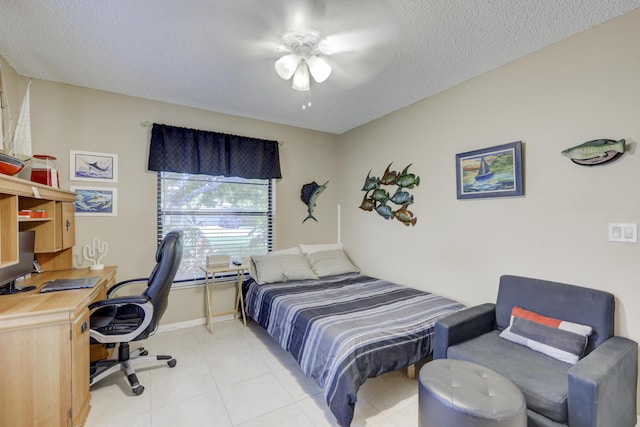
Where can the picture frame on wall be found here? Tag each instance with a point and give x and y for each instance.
(96, 201)
(92, 166)
(490, 172)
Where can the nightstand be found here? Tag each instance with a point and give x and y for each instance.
(209, 281)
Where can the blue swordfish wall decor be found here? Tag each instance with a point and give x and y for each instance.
(309, 194)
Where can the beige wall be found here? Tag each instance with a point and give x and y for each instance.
(584, 88)
(73, 118)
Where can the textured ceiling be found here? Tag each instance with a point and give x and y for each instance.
(218, 55)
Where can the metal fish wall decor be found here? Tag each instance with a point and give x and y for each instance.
(376, 198)
(309, 194)
(596, 152)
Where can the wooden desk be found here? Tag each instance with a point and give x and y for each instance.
(44, 351)
(209, 280)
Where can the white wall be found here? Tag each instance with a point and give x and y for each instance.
(586, 87)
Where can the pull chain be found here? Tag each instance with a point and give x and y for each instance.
(304, 107)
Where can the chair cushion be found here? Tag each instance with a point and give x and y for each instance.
(543, 380)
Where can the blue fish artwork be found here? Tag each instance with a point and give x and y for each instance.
(384, 211)
(377, 196)
(401, 197)
(309, 194)
(406, 179)
(371, 183)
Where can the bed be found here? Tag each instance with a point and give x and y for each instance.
(345, 328)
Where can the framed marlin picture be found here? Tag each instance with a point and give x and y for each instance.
(490, 172)
(96, 201)
(90, 166)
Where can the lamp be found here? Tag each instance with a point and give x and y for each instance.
(301, 77)
(302, 59)
(286, 66)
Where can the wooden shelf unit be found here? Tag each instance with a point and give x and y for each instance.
(44, 337)
(55, 234)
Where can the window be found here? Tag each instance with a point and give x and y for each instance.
(218, 215)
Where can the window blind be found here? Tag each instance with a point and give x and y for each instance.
(218, 215)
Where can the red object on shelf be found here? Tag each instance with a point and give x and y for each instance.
(10, 165)
(44, 170)
(38, 214)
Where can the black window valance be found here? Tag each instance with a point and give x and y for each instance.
(182, 150)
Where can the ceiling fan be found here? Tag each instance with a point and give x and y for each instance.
(303, 57)
(339, 41)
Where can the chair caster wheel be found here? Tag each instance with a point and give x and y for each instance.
(138, 390)
(171, 363)
(144, 353)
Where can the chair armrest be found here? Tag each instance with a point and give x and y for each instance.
(141, 301)
(123, 284)
(118, 302)
(462, 326)
(603, 385)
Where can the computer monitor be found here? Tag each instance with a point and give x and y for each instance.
(8, 275)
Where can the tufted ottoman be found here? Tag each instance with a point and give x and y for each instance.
(457, 393)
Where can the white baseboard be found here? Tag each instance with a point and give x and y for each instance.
(191, 323)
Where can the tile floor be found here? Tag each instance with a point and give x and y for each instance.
(238, 376)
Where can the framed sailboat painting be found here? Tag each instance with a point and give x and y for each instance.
(490, 172)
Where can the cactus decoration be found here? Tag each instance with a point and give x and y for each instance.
(377, 198)
(95, 253)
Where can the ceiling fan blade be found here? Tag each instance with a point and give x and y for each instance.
(304, 15)
(358, 40)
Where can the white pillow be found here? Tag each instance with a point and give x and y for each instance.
(309, 249)
(331, 263)
(297, 267)
(280, 268)
(252, 266)
(267, 269)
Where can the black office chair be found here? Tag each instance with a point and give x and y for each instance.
(120, 320)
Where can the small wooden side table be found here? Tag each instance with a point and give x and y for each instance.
(209, 280)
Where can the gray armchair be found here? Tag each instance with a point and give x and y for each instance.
(599, 390)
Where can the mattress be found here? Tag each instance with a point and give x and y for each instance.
(347, 328)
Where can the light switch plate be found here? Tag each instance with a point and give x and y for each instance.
(627, 233)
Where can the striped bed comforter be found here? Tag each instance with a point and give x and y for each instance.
(347, 328)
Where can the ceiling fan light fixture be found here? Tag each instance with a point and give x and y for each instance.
(287, 65)
(301, 77)
(319, 68)
(302, 59)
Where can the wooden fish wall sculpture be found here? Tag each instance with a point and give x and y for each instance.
(596, 152)
(377, 198)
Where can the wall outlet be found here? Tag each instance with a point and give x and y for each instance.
(627, 233)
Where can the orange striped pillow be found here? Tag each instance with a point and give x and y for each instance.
(557, 338)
